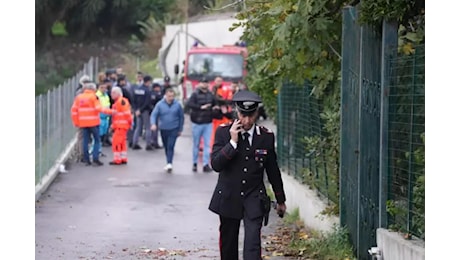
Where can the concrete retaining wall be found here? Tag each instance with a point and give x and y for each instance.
(309, 204)
(394, 247)
(46, 181)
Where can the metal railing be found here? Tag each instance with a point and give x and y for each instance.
(302, 142)
(53, 125)
(406, 143)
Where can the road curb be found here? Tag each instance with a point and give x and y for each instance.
(46, 181)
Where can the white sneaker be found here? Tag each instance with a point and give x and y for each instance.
(168, 167)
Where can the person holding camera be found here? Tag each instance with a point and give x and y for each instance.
(241, 153)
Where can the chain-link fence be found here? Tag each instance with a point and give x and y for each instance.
(406, 143)
(53, 125)
(302, 142)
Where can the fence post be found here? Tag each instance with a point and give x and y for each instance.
(97, 65)
(40, 137)
(389, 43)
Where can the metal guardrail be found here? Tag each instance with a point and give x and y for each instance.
(53, 125)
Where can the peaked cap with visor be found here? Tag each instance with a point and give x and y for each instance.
(246, 102)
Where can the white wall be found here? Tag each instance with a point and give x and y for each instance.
(212, 33)
(310, 206)
(394, 247)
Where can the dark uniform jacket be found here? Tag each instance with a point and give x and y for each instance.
(196, 100)
(240, 184)
(141, 98)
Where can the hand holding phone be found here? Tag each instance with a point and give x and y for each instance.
(235, 129)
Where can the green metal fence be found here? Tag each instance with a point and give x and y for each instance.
(301, 140)
(406, 143)
(382, 131)
(53, 125)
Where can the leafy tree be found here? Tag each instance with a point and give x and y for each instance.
(297, 41)
(96, 17)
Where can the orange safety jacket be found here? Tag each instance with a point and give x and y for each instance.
(86, 108)
(121, 117)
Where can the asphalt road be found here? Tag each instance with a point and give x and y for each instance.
(135, 211)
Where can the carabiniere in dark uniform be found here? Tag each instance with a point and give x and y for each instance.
(240, 191)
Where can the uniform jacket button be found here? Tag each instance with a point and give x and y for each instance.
(244, 181)
(220, 192)
(245, 169)
(247, 158)
(242, 193)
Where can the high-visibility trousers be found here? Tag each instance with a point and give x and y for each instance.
(119, 147)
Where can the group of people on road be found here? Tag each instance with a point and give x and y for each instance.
(242, 151)
(114, 112)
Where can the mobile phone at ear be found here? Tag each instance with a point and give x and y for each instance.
(235, 115)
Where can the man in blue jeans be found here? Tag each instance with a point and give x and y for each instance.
(170, 117)
(201, 104)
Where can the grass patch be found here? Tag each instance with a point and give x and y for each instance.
(331, 246)
(270, 194)
(131, 64)
(292, 217)
(293, 239)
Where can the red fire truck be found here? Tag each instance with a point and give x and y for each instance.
(228, 62)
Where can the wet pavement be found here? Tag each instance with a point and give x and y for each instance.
(134, 211)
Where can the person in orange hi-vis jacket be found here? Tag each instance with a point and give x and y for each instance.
(122, 120)
(85, 115)
(223, 96)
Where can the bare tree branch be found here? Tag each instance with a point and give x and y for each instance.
(333, 50)
(223, 7)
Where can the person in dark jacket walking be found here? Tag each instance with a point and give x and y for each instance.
(201, 103)
(142, 111)
(156, 96)
(241, 153)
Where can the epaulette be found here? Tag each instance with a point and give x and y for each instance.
(225, 124)
(265, 129)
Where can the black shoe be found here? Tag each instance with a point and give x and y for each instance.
(194, 168)
(115, 163)
(149, 148)
(137, 147)
(157, 146)
(98, 163)
(206, 168)
(87, 163)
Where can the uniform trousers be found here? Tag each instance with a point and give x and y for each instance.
(119, 149)
(228, 241)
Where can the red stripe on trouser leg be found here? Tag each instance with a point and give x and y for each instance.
(220, 242)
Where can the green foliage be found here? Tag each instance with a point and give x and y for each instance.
(410, 14)
(418, 200)
(330, 246)
(58, 29)
(271, 194)
(292, 41)
(98, 16)
(292, 217)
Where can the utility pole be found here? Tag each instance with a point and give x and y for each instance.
(186, 26)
